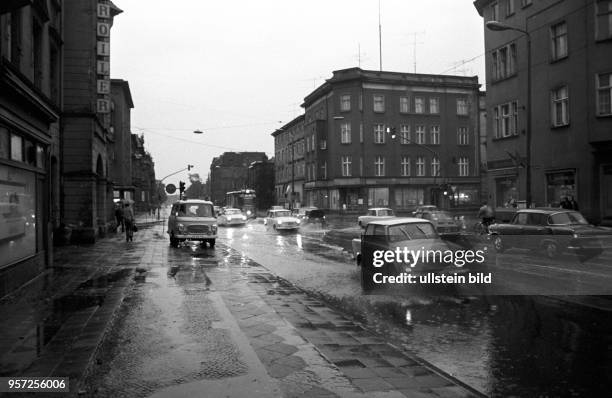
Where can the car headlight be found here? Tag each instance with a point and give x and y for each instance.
(244, 218)
(280, 222)
(248, 212)
(180, 227)
(298, 221)
(575, 236)
(214, 228)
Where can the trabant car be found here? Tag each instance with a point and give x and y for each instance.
(281, 220)
(192, 220)
(375, 213)
(232, 217)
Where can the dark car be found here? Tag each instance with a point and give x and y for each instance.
(314, 216)
(549, 229)
(445, 223)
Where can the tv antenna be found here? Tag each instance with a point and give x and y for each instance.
(414, 47)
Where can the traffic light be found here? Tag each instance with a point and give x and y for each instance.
(189, 167)
(181, 188)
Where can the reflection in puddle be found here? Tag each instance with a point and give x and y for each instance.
(298, 239)
(408, 318)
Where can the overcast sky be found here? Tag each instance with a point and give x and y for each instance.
(237, 70)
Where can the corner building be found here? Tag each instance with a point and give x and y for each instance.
(392, 139)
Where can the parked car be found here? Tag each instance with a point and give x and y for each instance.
(421, 209)
(192, 220)
(281, 220)
(232, 217)
(549, 229)
(411, 233)
(376, 213)
(445, 223)
(301, 212)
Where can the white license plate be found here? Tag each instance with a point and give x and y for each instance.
(198, 236)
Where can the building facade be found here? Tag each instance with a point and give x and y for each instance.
(261, 179)
(289, 164)
(229, 172)
(392, 139)
(87, 191)
(146, 196)
(121, 141)
(30, 103)
(570, 90)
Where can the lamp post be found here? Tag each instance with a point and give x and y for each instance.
(499, 26)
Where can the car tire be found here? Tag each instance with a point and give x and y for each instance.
(551, 249)
(498, 244)
(274, 227)
(173, 241)
(211, 243)
(367, 284)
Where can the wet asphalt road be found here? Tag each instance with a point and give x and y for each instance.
(502, 346)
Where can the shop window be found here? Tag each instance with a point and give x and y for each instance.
(16, 148)
(560, 185)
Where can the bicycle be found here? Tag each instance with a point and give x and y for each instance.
(481, 228)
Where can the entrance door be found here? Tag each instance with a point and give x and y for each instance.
(606, 192)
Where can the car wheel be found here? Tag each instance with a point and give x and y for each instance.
(173, 241)
(274, 227)
(211, 243)
(367, 284)
(551, 249)
(498, 243)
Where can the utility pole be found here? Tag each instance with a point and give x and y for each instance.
(414, 47)
(379, 39)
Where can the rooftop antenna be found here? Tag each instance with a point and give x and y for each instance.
(379, 39)
(359, 55)
(414, 47)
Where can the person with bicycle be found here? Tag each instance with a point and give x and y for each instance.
(128, 219)
(485, 213)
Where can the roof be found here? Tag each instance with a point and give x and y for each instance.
(398, 220)
(547, 210)
(379, 208)
(126, 90)
(187, 201)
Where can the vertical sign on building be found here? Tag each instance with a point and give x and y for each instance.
(103, 25)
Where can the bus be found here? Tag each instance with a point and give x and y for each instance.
(243, 200)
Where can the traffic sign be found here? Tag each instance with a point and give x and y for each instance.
(171, 188)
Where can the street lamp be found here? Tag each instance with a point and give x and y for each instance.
(198, 132)
(499, 26)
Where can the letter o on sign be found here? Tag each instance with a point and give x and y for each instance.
(171, 188)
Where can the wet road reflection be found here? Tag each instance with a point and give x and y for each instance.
(501, 345)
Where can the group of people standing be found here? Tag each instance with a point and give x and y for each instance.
(124, 214)
(568, 202)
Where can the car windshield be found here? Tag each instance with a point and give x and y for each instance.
(195, 210)
(567, 218)
(439, 215)
(385, 212)
(283, 213)
(412, 231)
(232, 211)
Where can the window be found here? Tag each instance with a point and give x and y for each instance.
(464, 167)
(494, 11)
(435, 135)
(379, 166)
(462, 136)
(462, 106)
(37, 49)
(603, 24)
(15, 37)
(505, 122)
(420, 134)
(379, 103)
(525, 3)
(323, 144)
(504, 62)
(16, 148)
(560, 107)
(435, 166)
(404, 105)
(420, 166)
(558, 37)
(345, 133)
(345, 103)
(604, 94)
(419, 105)
(324, 171)
(509, 7)
(434, 105)
(405, 134)
(405, 166)
(379, 133)
(346, 166)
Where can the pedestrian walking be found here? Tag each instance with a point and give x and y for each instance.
(565, 203)
(128, 218)
(573, 203)
(119, 216)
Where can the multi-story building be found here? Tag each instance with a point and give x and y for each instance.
(392, 139)
(261, 179)
(30, 103)
(120, 138)
(229, 172)
(289, 164)
(87, 192)
(570, 90)
(146, 196)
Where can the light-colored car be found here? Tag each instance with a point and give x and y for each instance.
(418, 212)
(375, 213)
(194, 220)
(232, 217)
(281, 220)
